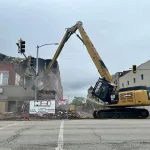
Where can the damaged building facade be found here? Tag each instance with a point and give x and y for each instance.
(17, 83)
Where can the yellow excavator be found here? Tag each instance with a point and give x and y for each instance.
(117, 104)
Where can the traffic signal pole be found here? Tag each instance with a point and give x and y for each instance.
(36, 74)
(37, 67)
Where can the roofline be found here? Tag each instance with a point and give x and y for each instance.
(137, 67)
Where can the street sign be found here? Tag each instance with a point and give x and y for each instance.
(42, 106)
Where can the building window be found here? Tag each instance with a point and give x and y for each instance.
(134, 80)
(142, 77)
(128, 82)
(122, 84)
(4, 78)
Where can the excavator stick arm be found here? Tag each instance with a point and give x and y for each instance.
(102, 69)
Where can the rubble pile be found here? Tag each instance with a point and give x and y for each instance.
(62, 115)
(59, 114)
(85, 115)
(72, 115)
(11, 116)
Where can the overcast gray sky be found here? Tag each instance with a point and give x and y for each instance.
(119, 29)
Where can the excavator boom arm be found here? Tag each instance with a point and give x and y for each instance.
(102, 69)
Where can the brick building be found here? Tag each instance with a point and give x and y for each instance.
(17, 86)
(8, 77)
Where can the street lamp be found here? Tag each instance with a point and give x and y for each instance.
(37, 54)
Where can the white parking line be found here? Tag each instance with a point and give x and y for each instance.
(60, 137)
(11, 125)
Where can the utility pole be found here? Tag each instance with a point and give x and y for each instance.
(37, 67)
(36, 74)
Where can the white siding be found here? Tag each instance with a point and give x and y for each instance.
(129, 77)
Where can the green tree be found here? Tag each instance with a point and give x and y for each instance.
(77, 101)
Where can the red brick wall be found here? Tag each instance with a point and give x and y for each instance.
(6, 66)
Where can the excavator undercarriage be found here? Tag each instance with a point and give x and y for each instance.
(122, 113)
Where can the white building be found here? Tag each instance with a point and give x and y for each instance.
(141, 77)
(116, 77)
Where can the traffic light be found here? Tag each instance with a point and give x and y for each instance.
(21, 46)
(134, 69)
(31, 61)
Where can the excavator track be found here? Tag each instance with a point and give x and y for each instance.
(121, 113)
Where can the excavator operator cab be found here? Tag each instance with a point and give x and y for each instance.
(103, 90)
